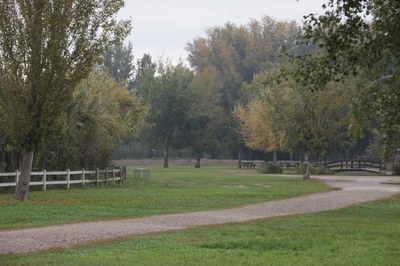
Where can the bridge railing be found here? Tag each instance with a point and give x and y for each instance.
(355, 165)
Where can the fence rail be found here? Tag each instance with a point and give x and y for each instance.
(67, 178)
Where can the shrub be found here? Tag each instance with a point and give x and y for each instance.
(321, 170)
(270, 168)
(315, 170)
(396, 169)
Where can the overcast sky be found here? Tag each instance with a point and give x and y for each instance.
(164, 27)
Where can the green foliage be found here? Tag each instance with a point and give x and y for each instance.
(144, 80)
(360, 38)
(396, 169)
(118, 62)
(205, 115)
(289, 117)
(101, 115)
(45, 51)
(315, 170)
(169, 95)
(270, 168)
(237, 53)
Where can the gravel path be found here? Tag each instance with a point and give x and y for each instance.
(353, 191)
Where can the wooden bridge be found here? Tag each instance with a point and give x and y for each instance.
(355, 165)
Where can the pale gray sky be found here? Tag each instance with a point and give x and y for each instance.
(164, 27)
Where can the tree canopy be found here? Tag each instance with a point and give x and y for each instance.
(360, 38)
(46, 49)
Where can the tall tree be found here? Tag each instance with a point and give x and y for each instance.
(237, 53)
(205, 115)
(262, 120)
(169, 102)
(144, 77)
(360, 37)
(292, 118)
(101, 114)
(46, 48)
(118, 61)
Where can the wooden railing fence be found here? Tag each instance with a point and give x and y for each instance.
(67, 178)
(355, 165)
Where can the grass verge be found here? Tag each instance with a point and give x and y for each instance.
(367, 234)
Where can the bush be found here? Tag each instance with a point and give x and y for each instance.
(321, 170)
(315, 170)
(270, 168)
(396, 169)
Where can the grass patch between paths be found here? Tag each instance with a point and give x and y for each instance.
(174, 190)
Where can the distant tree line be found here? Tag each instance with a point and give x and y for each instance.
(244, 91)
(266, 87)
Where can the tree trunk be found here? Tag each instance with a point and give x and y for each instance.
(198, 158)
(306, 174)
(21, 192)
(166, 152)
(2, 161)
(275, 156)
(240, 159)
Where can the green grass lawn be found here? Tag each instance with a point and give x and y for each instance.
(367, 234)
(174, 190)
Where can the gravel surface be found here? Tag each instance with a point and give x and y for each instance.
(353, 190)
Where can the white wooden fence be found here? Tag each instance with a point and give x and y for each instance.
(66, 178)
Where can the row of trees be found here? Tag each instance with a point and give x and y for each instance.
(242, 91)
(58, 101)
(193, 107)
(321, 98)
(347, 87)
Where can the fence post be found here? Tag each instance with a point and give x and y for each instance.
(97, 176)
(83, 177)
(68, 179)
(121, 175)
(44, 179)
(113, 175)
(16, 179)
(106, 176)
